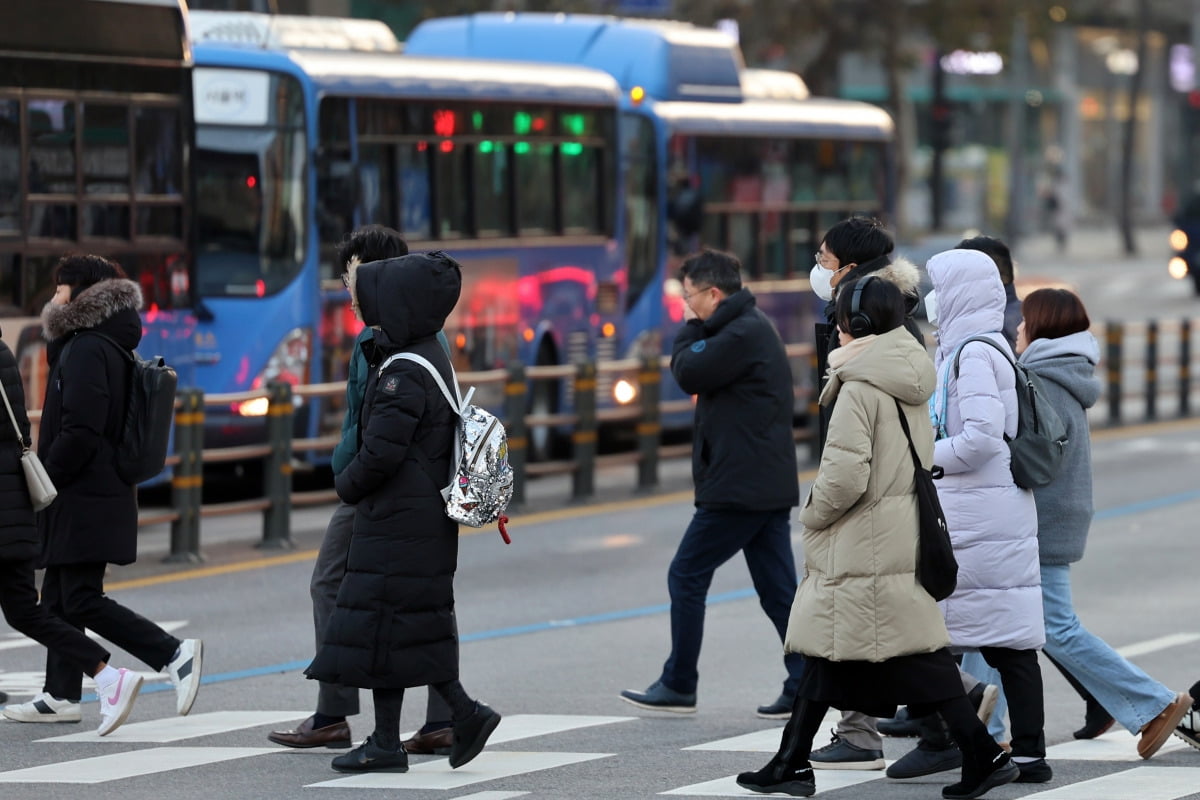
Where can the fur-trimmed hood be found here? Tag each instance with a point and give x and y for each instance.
(903, 273)
(92, 307)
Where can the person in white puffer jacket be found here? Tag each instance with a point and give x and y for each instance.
(997, 608)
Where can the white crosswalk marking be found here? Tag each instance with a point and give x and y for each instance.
(438, 775)
(492, 796)
(827, 780)
(1144, 783)
(526, 726)
(764, 741)
(1112, 746)
(173, 729)
(128, 765)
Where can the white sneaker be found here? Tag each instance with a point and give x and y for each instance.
(44, 708)
(117, 701)
(184, 670)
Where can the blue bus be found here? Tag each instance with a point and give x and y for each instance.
(96, 133)
(310, 127)
(712, 154)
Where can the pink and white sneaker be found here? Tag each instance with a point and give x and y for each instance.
(117, 701)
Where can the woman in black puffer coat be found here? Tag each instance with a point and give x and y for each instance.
(393, 626)
(19, 547)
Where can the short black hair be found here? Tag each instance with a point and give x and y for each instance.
(371, 243)
(83, 270)
(857, 240)
(713, 268)
(881, 300)
(996, 249)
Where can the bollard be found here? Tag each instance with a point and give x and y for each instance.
(516, 398)
(1185, 367)
(1152, 369)
(1113, 333)
(277, 469)
(187, 483)
(584, 438)
(650, 425)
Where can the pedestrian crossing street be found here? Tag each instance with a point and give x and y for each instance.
(1141, 781)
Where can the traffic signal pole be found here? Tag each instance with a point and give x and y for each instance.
(939, 111)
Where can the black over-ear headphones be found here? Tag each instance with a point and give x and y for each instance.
(861, 323)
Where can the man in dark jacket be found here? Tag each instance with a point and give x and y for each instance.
(393, 626)
(743, 466)
(92, 325)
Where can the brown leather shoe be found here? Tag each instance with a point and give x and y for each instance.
(433, 743)
(303, 735)
(1158, 729)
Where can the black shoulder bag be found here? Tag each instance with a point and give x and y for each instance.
(937, 569)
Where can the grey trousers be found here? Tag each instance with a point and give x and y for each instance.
(335, 700)
(860, 730)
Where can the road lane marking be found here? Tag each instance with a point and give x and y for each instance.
(174, 729)
(1116, 745)
(527, 726)
(119, 766)
(763, 741)
(488, 766)
(1154, 645)
(1143, 783)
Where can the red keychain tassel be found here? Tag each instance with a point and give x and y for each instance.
(503, 531)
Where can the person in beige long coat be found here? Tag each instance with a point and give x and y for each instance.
(871, 635)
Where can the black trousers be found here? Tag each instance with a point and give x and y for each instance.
(19, 601)
(1021, 677)
(75, 592)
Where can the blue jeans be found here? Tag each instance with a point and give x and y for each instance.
(712, 538)
(1130, 695)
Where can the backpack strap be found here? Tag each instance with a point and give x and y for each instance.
(958, 353)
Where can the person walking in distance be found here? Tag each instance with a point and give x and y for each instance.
(328, 725)
(393, 626)
(871, 634)
(743, 464)
(93, 522)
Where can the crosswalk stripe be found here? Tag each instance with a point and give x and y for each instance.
(763, 741)
(118, 766)
(827, 780)
(487, 766)
(527, 726)
(492, 796)
(1112, 746)
(173, 729)
(1143, 783)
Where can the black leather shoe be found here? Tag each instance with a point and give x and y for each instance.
(900, 725)
(925, 760)
(781, 708)
(369, 758)
(775, 777)
(430, 743)
(1095, 722)
(1034, 771)
(304, 735)
(472, 734)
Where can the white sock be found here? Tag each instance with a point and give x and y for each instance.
(1024, 759)
(106, 677)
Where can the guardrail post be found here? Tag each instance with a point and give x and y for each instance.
(1185, 367)
(516, 399)
(650, 426)
(277, 469)
(584, 438)
(187, 482)
(1152, 369)
(1113, 334)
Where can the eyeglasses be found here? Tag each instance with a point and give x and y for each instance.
(820, 257)
(687, 298)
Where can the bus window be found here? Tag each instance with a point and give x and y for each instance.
(641, 204)
(106, 170)
(335, 179)
(159, 141)
(414, 190)
(581, 188)
(51, 125)
(535, 187)
(10, 176)
(492, 184)
(452, 190)
(377, 184)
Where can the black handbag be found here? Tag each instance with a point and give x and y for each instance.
(937, 568)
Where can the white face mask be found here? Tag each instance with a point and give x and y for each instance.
(821, 280)
(931, 308)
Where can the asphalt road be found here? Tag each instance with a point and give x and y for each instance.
(553, 627)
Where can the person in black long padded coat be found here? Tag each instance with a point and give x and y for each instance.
(393, 626)
(19, 547)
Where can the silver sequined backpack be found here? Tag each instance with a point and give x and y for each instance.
(481, 480)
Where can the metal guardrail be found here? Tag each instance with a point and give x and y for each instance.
(1161, 372)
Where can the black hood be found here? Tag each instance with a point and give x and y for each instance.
(407, 299)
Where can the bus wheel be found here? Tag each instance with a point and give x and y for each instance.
(545, 442)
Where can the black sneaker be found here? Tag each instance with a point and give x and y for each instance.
(840, 754)
(925, 759)
(775, 777)
(472, 734)
(367, 757)
(1095, 722)
(660, 698)
(900, 725)
(1001, 771)
(1034, 771)
(780, 709)
(1189, 727)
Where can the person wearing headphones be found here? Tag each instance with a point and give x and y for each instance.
(871, 636)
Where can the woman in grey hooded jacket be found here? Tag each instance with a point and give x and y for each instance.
(1053, 341)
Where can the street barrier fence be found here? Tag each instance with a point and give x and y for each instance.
(1129, 383)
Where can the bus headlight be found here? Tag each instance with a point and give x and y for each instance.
(1178, 240)
(289, 363)
(1177, 267)
(624, 392)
